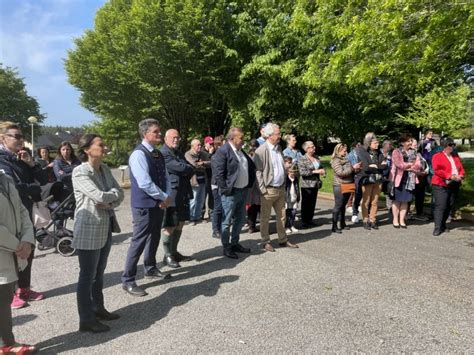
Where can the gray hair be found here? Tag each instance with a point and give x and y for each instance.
(386, 142)
(269, 129)
(232, 132)
(369, 137)
(144, 125)
(306, 144)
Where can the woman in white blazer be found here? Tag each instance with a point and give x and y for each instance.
(97, 193)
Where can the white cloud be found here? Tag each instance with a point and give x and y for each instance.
(31, 39)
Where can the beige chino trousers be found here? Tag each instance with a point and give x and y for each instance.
(274, 197)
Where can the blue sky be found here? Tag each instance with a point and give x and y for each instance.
(34, 38)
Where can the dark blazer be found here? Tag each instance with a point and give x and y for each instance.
(180, 173)
(225, 169)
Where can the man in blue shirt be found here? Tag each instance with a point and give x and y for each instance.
(150, 190)
(291, 150)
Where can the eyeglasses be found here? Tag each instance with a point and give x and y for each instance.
(16, 135)
(451, 144)
(175, 138)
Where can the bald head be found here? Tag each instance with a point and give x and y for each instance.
(172, 138)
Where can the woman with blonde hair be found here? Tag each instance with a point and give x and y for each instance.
(343, 185)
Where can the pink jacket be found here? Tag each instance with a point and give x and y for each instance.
(399, 167)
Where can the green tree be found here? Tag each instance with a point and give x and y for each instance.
(341, 68)
(15, 103)
(447, 110)
(170, 59)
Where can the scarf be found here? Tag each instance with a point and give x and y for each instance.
(409, 157)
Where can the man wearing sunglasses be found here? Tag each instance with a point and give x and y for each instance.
(27, 176)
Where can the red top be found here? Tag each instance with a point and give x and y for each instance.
(443, 170)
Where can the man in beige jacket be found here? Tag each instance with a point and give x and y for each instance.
(271, 182)
(16, 242)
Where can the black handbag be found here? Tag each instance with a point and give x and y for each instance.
(319, 184)
(368, 179)
(453, 184)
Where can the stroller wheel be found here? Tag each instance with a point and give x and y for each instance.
(64, 246)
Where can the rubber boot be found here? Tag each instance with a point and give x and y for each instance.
(175, 240)
(167, 243)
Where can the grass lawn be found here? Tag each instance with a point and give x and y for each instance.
(466, 195)
(465, 199)
(327, 181)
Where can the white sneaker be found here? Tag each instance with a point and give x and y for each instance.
(293, 229)
(289, 231)
(355, 219)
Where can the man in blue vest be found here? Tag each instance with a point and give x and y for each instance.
(149, 198)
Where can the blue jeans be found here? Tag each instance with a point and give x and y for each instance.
(92, 265)
(233, 208)
(195, 205)
(216, 212)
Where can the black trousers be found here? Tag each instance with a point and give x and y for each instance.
(419, 193)
(309, 196)
(357, 198)
(147, 223)
(252, 213)
(6, 325)
(340, 200)
(442, 198)
(24, 276)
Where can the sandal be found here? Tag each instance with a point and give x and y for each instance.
(21, 349)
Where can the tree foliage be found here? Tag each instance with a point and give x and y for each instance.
(447, 110)
(324, 67)
(171, 59)
(15, 103)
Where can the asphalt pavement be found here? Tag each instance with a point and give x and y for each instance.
(381, 291)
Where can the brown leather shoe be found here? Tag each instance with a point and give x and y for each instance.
(268, 247)
(289, 245)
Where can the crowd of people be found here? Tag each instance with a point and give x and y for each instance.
(226, 180)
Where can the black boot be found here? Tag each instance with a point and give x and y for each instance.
(343, 220)
(335, 228)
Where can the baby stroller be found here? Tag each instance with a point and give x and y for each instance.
(51, 216)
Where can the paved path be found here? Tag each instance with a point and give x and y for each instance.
(377, 291)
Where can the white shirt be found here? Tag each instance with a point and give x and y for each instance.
(454, 170)
(278, 165)
(293, 196)
(243, 177)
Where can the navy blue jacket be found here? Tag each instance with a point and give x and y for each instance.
(225, 169)
(180, 173)
(27, 179)
(156, 168)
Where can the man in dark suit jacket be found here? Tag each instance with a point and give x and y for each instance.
(180, 172)
(234, 173)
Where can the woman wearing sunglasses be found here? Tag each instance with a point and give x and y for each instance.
(446, 181)
(20, 166)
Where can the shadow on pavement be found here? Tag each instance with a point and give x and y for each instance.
(137, 317)
(23, 319)
(194, 270)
